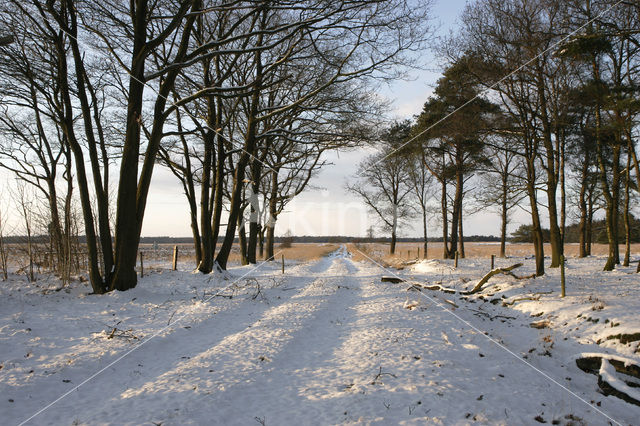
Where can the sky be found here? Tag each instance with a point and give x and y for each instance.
(326, 208)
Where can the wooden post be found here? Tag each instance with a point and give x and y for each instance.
(141, 265)
(562, 287)
(175, 258)
(455, 264)
(418, 253)
(493, 261)
(283, 263)
(408, 254)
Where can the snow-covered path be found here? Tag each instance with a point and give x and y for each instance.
(327, 344)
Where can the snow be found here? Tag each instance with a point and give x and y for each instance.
(609, 375)
(325, 343)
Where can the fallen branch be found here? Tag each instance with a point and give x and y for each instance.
(419, 287)
(380, 374)
(414, 287)
(127, 334)
(451, 303)
(520, 299)
(440, 288)
(227, 296)
(490, 274)
(491, 317)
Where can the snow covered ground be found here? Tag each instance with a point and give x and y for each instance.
(325, 343)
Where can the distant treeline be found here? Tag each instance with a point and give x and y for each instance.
(521, 235)
(572, 233)
(44, 239)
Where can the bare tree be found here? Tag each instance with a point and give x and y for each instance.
(500, 185)
(4, 249)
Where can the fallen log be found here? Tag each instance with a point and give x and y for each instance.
(394, 280)
(451, 302)
(440, 288)
(611, 371)
(520, 299)
(490, 274)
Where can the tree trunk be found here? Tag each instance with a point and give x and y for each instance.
(538, 239)
(461, 236)
(271, 221)
(218, 201)
(206, 264)
(126, 231)
(424, 232)
(555, 238)
(456, 214)
(392, 248)
(582, 205)
(626, 215)
(242, 241)
(238, 179)
(270, 242)
(589, 231)
(132, 194)
(445, 221)
(254, 218)
(503, 219)
(261, 242)
(67, 123)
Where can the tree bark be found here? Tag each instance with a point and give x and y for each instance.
(271, 222)
(206, 264)
(461, 236)
(504, 216)
(626, 217)
(424, 233)
(256, 170)
(392, 248)
(582, 205)
(456, 214)
(242, 240)
(445, 221)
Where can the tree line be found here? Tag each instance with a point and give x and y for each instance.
(537, 108)
(239, 99)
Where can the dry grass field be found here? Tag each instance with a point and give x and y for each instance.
(186, 253)
(404, 251)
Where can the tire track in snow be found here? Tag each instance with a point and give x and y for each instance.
(219, 360)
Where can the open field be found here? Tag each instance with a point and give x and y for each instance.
(300, 252)
(404, 251)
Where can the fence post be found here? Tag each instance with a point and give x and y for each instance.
(141, 265)
(456, 260)
(175, 258)
(418, 253)
(283, 263)
(493, 261)
(408, 254)
(562, 287)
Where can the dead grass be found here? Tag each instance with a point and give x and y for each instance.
(297, 251)
(186, 252)
(409, 251)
